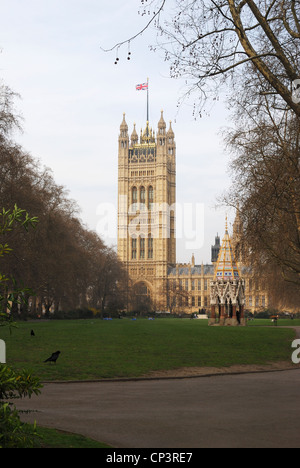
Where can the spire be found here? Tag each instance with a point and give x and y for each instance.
(170, 131)
(162, 123)
(124, 126)
(147, 136)
(226, 268)
(134, 136)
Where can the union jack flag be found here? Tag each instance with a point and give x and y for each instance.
(142, 87)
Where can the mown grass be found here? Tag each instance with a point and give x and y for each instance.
(53, 438)
(96, 349)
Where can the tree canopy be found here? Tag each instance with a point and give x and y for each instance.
(211, 42)
(61, 260)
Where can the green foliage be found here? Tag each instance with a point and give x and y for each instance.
(13, 384)
(19, 384)
(10, 293)
(14, 433)
(9, 218)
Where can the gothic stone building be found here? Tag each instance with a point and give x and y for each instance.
(146, 227)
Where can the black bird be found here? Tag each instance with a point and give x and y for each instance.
(32, 333)
(53, 357)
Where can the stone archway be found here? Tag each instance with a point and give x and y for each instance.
(142, 297)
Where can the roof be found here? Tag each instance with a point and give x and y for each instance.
(196, 270)
(226, 267)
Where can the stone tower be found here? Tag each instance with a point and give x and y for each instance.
(146, 205)
(215, 249)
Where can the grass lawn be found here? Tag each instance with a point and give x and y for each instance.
(281, 323)
(95, 349)
(52, 438)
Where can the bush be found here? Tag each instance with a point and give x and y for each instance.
(14, 433)
(73, 314)
(263, 315)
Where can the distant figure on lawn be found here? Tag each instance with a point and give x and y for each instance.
(53, 357)
(32, 333)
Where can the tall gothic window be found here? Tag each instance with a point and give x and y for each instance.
(134, 195)
(142, 247)
(150, 247)
(143, 198)
(133, 249)
(134, 198)
(150, 198)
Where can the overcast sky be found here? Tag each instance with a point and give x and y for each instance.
(72, 100)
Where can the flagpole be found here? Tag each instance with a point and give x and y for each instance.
(147, 99)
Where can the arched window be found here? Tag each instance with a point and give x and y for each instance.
(150, 198)
(150, 247)
(134, 195)
(133, 248)
(142, 248)
(142, 198)
(142, 290)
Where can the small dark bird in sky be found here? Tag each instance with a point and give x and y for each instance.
(32, 333)
(53, 357)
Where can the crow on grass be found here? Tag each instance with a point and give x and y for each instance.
(53, 357)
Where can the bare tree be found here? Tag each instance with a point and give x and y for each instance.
(266, 187)
(65, 263)
(8, 117)
(209, 42)
(174, 296)
(109, 281)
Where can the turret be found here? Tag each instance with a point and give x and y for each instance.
(170, 133)
(162, 125)
(170, 140)
(161, 134)
(134, 137)
(124, 138)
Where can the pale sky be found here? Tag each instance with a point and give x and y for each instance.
(72, 101)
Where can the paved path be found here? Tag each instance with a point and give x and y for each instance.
(249, 410)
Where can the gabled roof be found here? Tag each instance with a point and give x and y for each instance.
(226, 268)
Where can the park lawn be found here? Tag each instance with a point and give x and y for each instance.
(53, 438)
(281, 322)
(97, 349)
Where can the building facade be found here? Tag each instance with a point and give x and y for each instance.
(146, 227)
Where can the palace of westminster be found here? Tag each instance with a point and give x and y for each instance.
(147, 239)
